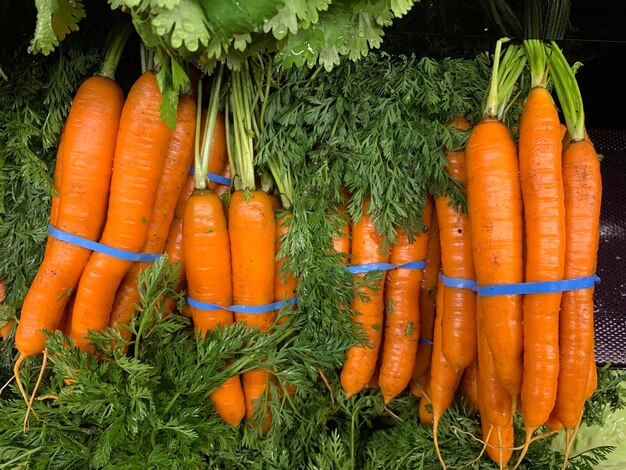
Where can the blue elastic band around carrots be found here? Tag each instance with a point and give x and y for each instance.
(366, 268)
(543, 287)
(219, 179)
(100, 248)
(250, 309)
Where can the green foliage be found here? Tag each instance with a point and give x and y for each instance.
(55, 20)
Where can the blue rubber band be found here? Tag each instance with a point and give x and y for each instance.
(366, 268)
(219, 179)
(251, 309)
(457, 282)
(100, 248)
(425, 341)
(544, 287)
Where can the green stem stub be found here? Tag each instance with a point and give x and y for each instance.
(114, 51)
(568, 92)
(537, 62)
(505, 73)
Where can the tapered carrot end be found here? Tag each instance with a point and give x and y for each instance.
(387, 399)
(349, 395)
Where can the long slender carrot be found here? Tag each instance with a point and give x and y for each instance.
(139, 157)
(495, 210)
(583, 191)
(178, 159)
(88, 146)
(459, 319)
(544, 217)
(428, 295)
(402, 316)
(361, 359)
(444, 379)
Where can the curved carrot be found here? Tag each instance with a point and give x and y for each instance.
(544, 216)
(428, 295)
(459, 316)
(178, 159)
(139, 157)
(495, 210)
(208, 270)
(361, 359)
(89, 142)
(444, 379)
(402, 316)
(252, 232)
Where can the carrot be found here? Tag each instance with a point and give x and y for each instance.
(218, 159)
(459, 319)
(583, 191)
(428, 294)
(56, 195)
(495, 210)
(444, 379)
(402, 317)
(89, 140)
(252, 232)
(468, 387)
(208, 270)
(544, 216)
(139, 157)
(592, 381)
(426, 407)
(499, 442)
(361, 359)
(222, 189)
(6, 329)
(178, 159)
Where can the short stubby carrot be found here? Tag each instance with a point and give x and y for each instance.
(402, 315)
(252, 232)
(175, 172)
(583, 192)
(495, 210)
(208, 271)
(361, 359)
(139, 158)
(459, 319)
(88, 146)
(544, 218)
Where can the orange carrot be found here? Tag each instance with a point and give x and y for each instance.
(444, 379)
(495, 211)
(175, 171)
(139, 157)
(459, 316)
(428, 294)
(544, 217)
(499, 442)
(402, 318)
(361, 359)
(468, 387)
(6, 329)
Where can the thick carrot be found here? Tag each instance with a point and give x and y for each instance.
(428, 295)
(361, 359)
(459, 316)
(208, 270)
(444, 379)
(89, 143)
(495, 210)
(402, 316)
(544, 217)
(178, 159)
(252, 233)
(139, 158)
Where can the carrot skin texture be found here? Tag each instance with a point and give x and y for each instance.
(208, 271)
(252, 232)
(495, 210)
(544, 216)
(179, 157)
(402, 317)
(459, 320)
(361, 359)
(89, 142)
(583, 192)
(428, 295)
(139, 157)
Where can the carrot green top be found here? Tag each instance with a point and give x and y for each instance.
(537, 62)
(506, 71)
(241, 150)
(116, 43)
(568, 92)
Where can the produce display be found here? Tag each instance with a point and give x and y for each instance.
(248, 253)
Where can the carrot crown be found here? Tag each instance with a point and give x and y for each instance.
(537, 62)
(568, 92)
(506, 71)
(116, 43)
